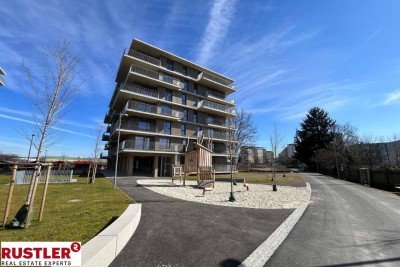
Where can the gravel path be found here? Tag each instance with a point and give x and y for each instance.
(259, 196)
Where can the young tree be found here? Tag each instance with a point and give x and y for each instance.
(50, 95)
(96, 150)
(316, 133)
(275, 140)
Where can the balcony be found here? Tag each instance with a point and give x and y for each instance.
(131, 145)
(221, 150)
(150, 111)
(108, 116)
(2, 83)
(216, 122)
(135, 127)
(105, 137)
(103, 156)
(216, 108)
(144, 57)
(141, 93)
(156, 78)
(216, 135)
(108, 130)
(212, 81)
(219, 97)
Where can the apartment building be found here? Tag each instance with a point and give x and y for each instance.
(288, 152)
(1, 77)
(164, 102)
(255, 155)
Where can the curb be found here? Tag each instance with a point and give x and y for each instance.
(261, 255)
(104, 248)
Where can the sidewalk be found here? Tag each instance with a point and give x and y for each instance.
(174, 232)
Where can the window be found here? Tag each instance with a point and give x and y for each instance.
(185, 86)
(144, 126)
(170, 65)
(183, 99)
(198, 129)
(183, 129)
(164, 143)
(166, 110)
(195, 91)
(195, 116)
(184, 70)
(142, 143)
(168, 95)
(185, 115)
(167, 127)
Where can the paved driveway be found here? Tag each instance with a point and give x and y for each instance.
(173, 232)
(345, 224)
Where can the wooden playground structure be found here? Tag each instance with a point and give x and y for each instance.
(198, 161)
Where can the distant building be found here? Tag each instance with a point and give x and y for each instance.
(380, 154)
(287, 153)
(255, 155)
(1, 77)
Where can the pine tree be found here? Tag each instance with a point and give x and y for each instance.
(317, 132)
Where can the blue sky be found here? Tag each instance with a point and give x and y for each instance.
(285, 56)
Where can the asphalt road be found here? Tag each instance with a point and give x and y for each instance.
(346, 224)
(174, 232)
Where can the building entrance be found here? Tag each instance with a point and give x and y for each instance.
(143, 166)
(164, 167)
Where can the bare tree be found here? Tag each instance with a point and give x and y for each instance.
(50, 95)
(367, 152)
(345, 137)
(96, 150)
(275, 140)
(246, 131)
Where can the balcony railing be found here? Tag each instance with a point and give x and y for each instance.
(144, 57)
(217, 80)
(215, 94)
(215, 135)
(136, 126)
(216, 106)
(218, 122)
(150, 146)
(156, 75)
(139, 90)
(142, 107)
(221, 150)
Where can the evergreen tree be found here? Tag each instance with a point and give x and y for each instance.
(317, 132)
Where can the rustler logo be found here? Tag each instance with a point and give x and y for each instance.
(40, 254)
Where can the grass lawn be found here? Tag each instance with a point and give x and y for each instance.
(64, 221)
(263, 177)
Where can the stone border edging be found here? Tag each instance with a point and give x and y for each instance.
(104, 248)
(261, 255)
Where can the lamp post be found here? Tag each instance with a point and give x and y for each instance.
(116, 159)
(45, 156)
(29, 153)
(231, 151)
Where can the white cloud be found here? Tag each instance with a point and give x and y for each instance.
(220, 19)
(32, 122)
(392, 97)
